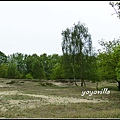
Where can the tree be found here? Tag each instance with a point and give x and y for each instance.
(29, 61)
(55, 64)
(37, 69)
(109, 60)
(93, 73)
(57, 72)
(76, 48)
(49, 63)
(12, 70)
(3, 65)
(45, 61)
(20, 60)
(21, 65)
(116, 55)
(67, 68)
(3, 58)
(3, 70)
(116, 7)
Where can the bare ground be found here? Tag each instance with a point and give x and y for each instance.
(43, 101)
(25, 98)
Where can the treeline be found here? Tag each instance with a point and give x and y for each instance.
(23, 66)
(18, 65)
(78, 62)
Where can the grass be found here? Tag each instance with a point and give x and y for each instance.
(80, 110)
(18, 97)
(109, 109)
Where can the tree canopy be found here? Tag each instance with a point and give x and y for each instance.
(77, 49)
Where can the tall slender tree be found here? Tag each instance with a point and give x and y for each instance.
(76, 47)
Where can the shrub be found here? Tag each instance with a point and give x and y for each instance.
(29, 76)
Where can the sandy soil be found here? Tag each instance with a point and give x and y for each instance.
(5, 86)
(6, 104)
(43, 101)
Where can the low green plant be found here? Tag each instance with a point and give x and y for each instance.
(29, 76)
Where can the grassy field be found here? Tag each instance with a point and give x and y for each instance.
(35, 99)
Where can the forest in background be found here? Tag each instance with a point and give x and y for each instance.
(73, 65)
(79, 60)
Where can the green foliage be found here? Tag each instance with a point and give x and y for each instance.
(75, 63)
(23, 66)
(34, 66)
(45, 61)
(116, 55)
(3, 58)
(106, 67)
(118, 71)
(3, 70)
(77, 52)
(37, 69)
(57, 72)
(67, 69)
(29, 76)
(93, 73)
(116, 7)
(12, 70)
(108, 59)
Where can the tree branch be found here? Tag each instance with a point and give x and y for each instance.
(116, 11)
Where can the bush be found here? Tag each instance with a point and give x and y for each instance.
(29, 76)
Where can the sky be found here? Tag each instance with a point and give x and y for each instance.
(30, 27)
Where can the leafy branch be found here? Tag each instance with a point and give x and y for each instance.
(117, 10)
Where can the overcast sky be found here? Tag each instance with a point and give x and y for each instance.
(35, 26)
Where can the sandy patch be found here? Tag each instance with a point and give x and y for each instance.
(59, 100)
(9, 92)
(51, 99)
(5, 86)
(50, 89)
(54, 99)
(60, 84)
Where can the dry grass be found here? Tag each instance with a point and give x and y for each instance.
(28, 99)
